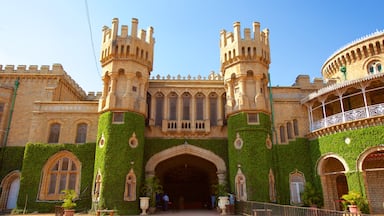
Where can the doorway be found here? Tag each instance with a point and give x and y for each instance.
(187, 179)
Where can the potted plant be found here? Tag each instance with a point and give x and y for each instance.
(222, 193)
(312, 197)
(68, 202)
(150, 188)
(353, 199)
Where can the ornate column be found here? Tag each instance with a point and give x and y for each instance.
(324, 114)
(193, 111)
(153, 113)
(179, 111)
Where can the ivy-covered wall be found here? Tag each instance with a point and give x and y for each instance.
(116, 158)
(254, 157)
(360, 141)
(291, 157)
(11, 159)
(35, 157)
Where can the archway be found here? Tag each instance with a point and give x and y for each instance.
(187, 173)
(332, 169)
(10, 190)
(371, 163)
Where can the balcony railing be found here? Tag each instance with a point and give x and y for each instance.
(350, 115)
(186, 125)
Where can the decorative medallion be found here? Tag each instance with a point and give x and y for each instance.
(238, 142)
(133, 142)
(101, 141)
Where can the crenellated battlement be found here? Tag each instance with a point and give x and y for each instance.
(137, 46)
(44, 69)
(253, 46)
(211, 76)
(56, 69)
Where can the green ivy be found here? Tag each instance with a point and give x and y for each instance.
(11, 160)
(254, 158)
(361, 140)
(35, 157)
(116, 158)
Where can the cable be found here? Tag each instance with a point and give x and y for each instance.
(90, 33)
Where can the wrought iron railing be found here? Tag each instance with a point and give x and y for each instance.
(271, 209)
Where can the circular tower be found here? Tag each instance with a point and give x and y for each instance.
(244, 64)
(126, 61)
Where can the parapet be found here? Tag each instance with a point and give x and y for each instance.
(44, 69)
(303, 81)
(211, 76)
(112, 33)
(252, 47)
(56, 69)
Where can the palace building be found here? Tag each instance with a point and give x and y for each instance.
(265, 143)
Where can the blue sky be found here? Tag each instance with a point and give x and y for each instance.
(303, 33)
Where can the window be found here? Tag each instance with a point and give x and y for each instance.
(186, 106)
(253, 118)
(295, 127)
(118, 117)
(159, 109)
(199, 107)
(61, 172)
(54, 133)
(81, 134)
(282, 134)
(130, 186)
(1, 111)
(296, 182)
(374, 67)
(172, 106)
(213, 109)
(97, 187)
(241, 189)
(289, 130)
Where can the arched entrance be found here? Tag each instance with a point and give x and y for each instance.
(332, 169)
(187, 173)
(371, 163)
(10, 191)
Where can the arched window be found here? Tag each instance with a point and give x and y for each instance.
(159, 109)
(213, 109)
(97, 187)
(199, 107)
(241, 187)
(2, 106)
(295, 127)
(374, 67)
(296, 182)
(289, 130)
(54, 133)
(61, 172)
(130, 186)
(81, 133)
(282, 134)
(186, 106)
(172, 106)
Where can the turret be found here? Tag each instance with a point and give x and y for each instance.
(127, 61)
(244, 64)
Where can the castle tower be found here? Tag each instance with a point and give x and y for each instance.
(126, 61)
(244, 64)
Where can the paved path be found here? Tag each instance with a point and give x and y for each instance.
(161, 213)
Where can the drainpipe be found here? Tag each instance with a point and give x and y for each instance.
(11, 112)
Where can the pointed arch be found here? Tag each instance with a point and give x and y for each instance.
(61, 171)
(130, 186)
(240, 186)
(10, 189)
(185, 149)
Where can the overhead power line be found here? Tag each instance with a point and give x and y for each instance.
(90, 33)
